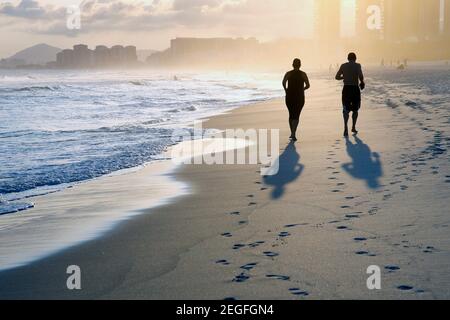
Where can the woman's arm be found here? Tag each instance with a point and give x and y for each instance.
(285, 80)
(307, 84)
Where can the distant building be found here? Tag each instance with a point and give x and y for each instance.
(364, 9)
(131, 54)
(207, 52)
(327, 20)
(65, 59)
(82, 57)
(117, 54)
(402, 20)
(445, 16)
(11, 63)
(101, 56)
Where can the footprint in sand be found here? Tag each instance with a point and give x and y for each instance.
(241, 278)
(392, 268)
(295, 225)
(256, 244)
(250, 196)
(252, 204)
(342, 228)
(229, 299)
(249, 266)
(365, 253)
(298, 292)
(278, 277)
(223, 262)
(235, 213)
(284, 234)
(226, 235)
(387, 196)
(238, 246)
(429, 249)
(405, 288)
(354, 215)
(360, 239)
(270, 254)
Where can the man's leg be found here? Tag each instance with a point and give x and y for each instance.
(346, 118)
(355, 120)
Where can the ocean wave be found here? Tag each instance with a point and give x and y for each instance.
(30, 89)
(7, 207)
(124, 155)
(138, 83)
(188, 109)
(65, 128)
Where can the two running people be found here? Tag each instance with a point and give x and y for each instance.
(296, 82)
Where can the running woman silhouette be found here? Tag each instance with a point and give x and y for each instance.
(295, 83)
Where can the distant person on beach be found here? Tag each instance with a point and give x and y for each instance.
(295, 83)
(351, 73)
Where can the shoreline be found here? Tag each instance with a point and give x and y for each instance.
(89, 205)
(157, 177)
(170, 170)
(309, 233)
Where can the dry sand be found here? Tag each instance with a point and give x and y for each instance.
(336, 208)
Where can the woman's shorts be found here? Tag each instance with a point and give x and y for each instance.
(295, 106)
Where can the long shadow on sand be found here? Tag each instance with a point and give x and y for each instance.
(366, 165)
(290, 170)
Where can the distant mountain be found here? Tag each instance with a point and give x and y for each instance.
(38, 54)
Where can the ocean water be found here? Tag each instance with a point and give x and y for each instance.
(63, 127)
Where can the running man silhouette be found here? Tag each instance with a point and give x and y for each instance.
(351, 73)
(297, 82)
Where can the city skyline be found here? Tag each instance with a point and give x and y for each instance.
(330, 21)
(153, 22)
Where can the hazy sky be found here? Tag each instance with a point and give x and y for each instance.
(149, 24)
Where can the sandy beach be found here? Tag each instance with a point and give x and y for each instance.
(336, 207)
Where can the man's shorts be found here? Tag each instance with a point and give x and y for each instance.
(351, 99)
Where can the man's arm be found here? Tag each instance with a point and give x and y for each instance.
(361, 75)
(285, 80)
(340, 74)
(307, 84)
(361, 79)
